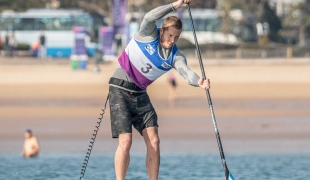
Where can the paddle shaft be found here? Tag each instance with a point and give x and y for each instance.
(218, 138)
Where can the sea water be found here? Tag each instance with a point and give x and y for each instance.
(174, 166)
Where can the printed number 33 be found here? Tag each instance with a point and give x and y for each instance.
(149, 66)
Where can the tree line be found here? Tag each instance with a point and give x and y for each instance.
(298, 17)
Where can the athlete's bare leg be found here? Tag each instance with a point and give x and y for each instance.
(151, 139)
(122, 156)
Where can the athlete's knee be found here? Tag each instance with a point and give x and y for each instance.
(125, 141)
(154, 143)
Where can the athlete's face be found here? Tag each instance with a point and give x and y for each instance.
(169, 36)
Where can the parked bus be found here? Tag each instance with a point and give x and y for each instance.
(207, 26)
(57, 25)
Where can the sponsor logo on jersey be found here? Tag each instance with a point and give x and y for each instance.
(150, 49)
(165, 65)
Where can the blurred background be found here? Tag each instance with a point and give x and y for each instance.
(233, 28)
(56, 58)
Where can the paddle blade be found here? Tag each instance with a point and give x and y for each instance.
(231, 177)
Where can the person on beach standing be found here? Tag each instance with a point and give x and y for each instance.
(6, 43)
(31, 145)
(150, 53)
(13, 45)
(42, 41)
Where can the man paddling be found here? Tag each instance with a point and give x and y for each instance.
(150, 53)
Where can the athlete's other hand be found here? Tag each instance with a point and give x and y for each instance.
(187, 1)
(180, 3)
(204, 84)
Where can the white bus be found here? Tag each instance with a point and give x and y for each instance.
(57, 26)
(208, 23)
(207, 26)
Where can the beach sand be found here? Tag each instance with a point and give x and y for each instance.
(261, 105)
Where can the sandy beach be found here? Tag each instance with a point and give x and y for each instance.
(261, 105)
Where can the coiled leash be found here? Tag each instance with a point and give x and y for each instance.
(92, 141)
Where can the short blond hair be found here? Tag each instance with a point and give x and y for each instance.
(172, 21)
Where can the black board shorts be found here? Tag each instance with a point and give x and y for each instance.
(129, 109)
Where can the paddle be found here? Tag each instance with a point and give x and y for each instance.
(228, 175)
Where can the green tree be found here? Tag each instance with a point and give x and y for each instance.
(262, 11)
(102, 7)
(99, 6)
(299, 17)
(20, 5)
(266, 14)
(150, 4)
(225, 7)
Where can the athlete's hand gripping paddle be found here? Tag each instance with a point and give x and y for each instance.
(228, 175)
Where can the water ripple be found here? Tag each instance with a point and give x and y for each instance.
(174, 166)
